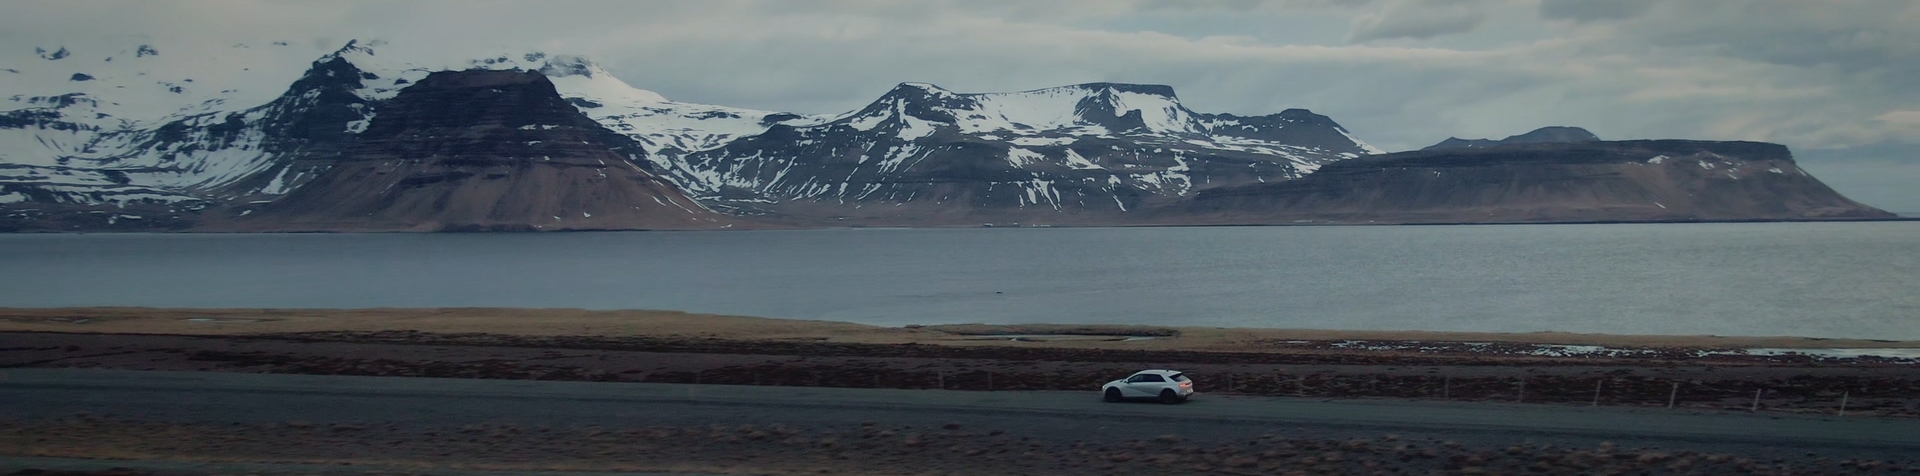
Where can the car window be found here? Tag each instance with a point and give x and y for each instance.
(1147, 378)
(1179, 377)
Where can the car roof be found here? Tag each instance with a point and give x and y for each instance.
(1157, 371)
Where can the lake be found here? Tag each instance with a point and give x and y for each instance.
(1843, 280)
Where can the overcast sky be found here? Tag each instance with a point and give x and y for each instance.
(1831, 79)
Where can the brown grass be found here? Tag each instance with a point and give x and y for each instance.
(640, 323)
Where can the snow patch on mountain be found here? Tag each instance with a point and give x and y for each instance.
(232, 120)
(95, 128)
(194, 122)
(665, 129)
(1105, 146)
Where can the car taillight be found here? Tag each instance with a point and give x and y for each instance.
(1186, 384)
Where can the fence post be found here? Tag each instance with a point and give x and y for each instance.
(1673, 396)
(1756, 400)
(989, 381)
(1596, 392)
(1446, 387)
(1522, 396)
(941, 378)
(1843, 403)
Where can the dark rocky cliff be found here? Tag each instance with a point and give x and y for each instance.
(1619, 181)
(481, 150)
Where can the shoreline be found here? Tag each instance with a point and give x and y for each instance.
(675, 324)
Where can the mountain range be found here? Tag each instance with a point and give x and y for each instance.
(243, 138)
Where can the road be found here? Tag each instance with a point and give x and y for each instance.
(204, 397)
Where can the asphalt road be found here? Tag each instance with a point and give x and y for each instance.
(29, 394)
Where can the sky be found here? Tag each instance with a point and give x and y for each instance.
(1830, 79)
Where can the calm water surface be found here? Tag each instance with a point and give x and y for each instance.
(1809, 279)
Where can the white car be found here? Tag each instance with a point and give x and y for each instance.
(1169, 386)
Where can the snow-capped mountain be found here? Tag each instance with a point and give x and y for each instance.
(1101, 146)
(79, 120)
(109, 125)
(116, 125)
(481, 150)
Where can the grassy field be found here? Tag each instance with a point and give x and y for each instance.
(680, 325)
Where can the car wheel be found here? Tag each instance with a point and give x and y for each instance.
(1113, 395)
(1168, 397)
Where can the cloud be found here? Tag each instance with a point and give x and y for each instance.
(1907, 119)
(1880, 174)
(1591, 10)
(1416, 20)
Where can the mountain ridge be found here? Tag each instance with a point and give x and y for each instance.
(228, 156)
(1549, 134)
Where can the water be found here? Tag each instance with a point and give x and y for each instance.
(1809, 279)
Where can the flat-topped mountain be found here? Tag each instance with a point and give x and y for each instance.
(1590, 181)
(1544, 135)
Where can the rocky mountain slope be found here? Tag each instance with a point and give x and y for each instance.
(106, 135)
(90, 125)
(1085, 153)
(482, 150)
(1590, 181)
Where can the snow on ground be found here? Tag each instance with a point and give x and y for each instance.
(1903, 354)
(1563, 350)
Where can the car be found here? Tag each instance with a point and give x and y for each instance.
(1168, 386)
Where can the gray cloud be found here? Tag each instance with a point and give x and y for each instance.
(1592, 10)
(1416, 20)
